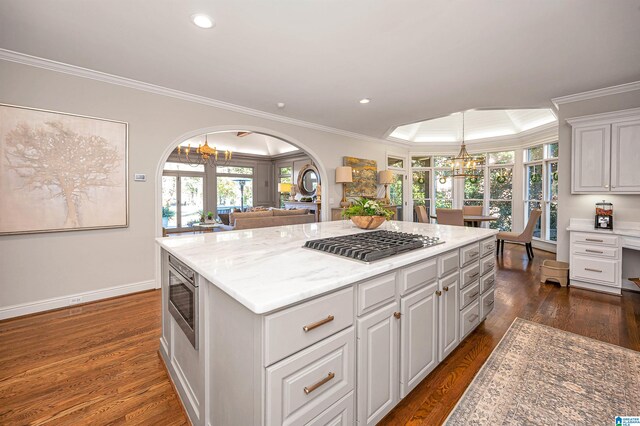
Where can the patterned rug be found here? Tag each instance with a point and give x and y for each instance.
(538, 375)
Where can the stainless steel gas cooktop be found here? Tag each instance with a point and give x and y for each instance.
(372, 246)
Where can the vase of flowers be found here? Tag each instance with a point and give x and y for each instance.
(367, 214)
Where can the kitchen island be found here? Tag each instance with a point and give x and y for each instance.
(289, 335)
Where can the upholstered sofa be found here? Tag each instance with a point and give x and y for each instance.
(266, 218)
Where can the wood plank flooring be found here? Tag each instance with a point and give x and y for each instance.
(98, 364)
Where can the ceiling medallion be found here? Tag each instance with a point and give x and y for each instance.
(204, 155)
(465, 165)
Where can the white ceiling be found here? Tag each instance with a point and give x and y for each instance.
(478, 125)
(253, 143)
(416, 59)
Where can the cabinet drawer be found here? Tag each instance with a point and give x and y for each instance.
(469, 254)
(487, 282)
(285, 330)
(597, 239)
(376, 292)
(419, 275)
(487, 265)
(469, 294)
(486, 304)
(448, 263)
(600, 271)
(302, 386)
(487, 247)
(339, 414)
(469, 275)
(469, 319)
(596, 251)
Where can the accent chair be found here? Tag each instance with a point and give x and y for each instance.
(450, 217)
(524, 237)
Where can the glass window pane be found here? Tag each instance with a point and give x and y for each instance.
(533, 182)
(440, 161)
(285, 171)
(420, 189)
(503, 209)
(183, 167)
(473, 202)
(169, 201)
(535, 153)
(500, 183)
(191, 200)
(443, 183)
(532, 205)
(553, 221)
(420, 161)
(395, 162)
(504, 157)
(552, 174)
(396, 194)
(237, 170)
(552, 150)
(474, 187)
(229, 190)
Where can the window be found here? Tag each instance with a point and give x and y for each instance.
(182, 195)
(503, 157)
(443, 183)
(541, 188)
(234, 188)
(284, 176)
(474, 191)
(420, 161)
(395, 163)
(420, 192)
(500, 197)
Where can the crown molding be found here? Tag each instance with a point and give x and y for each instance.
(606, 117)
(591, 94)
(34, 61)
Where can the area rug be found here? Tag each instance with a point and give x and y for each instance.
(539, 375)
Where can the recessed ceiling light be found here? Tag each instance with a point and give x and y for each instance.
(365, 101)
(202, 21)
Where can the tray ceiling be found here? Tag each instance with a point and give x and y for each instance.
(413, 58)
(253, 143)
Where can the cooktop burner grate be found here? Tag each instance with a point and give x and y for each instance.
(371, 246)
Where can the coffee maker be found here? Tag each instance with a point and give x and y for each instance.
(604, 215)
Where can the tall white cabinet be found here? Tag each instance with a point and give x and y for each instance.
(605, 156)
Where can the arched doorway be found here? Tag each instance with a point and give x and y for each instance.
(160, 171)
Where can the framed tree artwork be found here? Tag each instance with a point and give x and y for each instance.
(61, 172)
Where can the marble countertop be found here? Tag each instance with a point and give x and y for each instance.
(627, 229)
(267, 269)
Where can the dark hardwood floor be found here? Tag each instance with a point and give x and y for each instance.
(98, 364)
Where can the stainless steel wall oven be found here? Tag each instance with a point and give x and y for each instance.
(183, 298)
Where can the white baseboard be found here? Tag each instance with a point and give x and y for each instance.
(64, 301)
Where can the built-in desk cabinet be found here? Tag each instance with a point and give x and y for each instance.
(604, 153)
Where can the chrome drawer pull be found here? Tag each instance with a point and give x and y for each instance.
(593, 251)
(490, 303)
(473, 254)
(473, 318)
(490, 267)
(594, 240)
(489, 282)
(474, 275)
(474, 294)
(308, 390)
(592, 270)
(318, 324)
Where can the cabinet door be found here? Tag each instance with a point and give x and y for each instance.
(448, 315)
(591, 158)
(418, 337)
(378, 347)
(625, 156)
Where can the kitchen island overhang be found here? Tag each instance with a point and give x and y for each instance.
(288, 334)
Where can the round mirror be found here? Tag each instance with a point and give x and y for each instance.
(308, 180)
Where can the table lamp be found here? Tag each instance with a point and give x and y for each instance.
(385, 177)
(344, 175)
(285, 188)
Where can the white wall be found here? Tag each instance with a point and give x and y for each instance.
(625, 207)
(46, 266)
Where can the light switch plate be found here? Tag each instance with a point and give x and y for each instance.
(140, 177)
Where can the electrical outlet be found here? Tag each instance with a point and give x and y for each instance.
(75, 300)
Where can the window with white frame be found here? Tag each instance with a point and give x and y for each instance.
(541, 188)
(285, 174)
(182, 195)
(421, 183)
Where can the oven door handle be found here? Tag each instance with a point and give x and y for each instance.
(183, 280)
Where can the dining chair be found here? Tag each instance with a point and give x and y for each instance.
(524, 237)
(450, 217)
(472, 210)
(421, 213)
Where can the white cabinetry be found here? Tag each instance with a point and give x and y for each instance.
(377, 364)
(604, 153)
(595, 261)
(448, 315)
